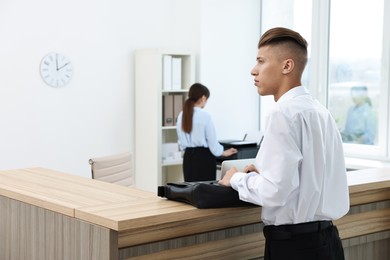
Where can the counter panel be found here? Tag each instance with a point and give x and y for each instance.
(45, 213)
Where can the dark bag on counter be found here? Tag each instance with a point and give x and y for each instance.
(202, 194)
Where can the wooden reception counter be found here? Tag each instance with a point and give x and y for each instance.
(45, 214)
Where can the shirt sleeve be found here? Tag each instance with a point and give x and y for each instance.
(277, 162)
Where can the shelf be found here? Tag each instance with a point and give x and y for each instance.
(175, 91)
(172, 163)
(150, 134)
(173, 127)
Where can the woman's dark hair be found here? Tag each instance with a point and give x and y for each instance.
(197, 91)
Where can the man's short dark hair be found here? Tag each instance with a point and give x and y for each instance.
(290, 39)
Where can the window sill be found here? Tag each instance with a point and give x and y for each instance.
(358, 163)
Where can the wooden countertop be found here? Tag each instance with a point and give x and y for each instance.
(362, 180)
(61, 192)
(109, 205)
(130, 210)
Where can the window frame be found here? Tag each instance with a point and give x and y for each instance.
(319, 78)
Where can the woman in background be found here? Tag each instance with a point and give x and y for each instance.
(360, 126)
(197, 137)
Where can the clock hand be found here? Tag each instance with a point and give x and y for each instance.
(63, 65)
(57, 61)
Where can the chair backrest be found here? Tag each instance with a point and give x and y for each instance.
(116, 169)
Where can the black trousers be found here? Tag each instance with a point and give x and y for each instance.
(307, 241)
(199, 164)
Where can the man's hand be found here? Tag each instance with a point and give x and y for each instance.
(226, 179)
(250, 168)
(229, 174)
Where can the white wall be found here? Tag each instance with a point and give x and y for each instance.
(230, 33)
(61, 128)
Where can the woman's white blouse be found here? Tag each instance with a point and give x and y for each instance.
(202, 135)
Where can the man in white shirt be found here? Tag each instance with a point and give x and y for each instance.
(299, 177)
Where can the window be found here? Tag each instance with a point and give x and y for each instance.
(293, 14)
(349, 57)
(355, 66)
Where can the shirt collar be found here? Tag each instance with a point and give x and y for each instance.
(294, 92)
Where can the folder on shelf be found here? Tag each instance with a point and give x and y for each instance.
(176, 73)
(167, 72)
(168, 119)
(177, 106)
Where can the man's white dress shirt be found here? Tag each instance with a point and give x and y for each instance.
(301, 163)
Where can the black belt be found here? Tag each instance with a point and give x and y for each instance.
(197, 148)
(288, 231)
(191, 150)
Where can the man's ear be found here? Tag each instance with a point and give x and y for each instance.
(288, 66)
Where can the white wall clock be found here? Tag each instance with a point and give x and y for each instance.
(56, 69)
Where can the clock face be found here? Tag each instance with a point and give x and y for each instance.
(56, 69)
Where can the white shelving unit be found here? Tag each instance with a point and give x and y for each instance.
(150, 133)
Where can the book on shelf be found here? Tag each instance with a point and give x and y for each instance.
(167, 72)
(172, 70)
(168, 119)
(176, 73)
(177, 106)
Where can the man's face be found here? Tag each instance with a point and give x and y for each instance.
(267, 71)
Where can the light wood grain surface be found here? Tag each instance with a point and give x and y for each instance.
(364, 223)
(368, 179)
(121, 208)
(62, 192)
(132, 218)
